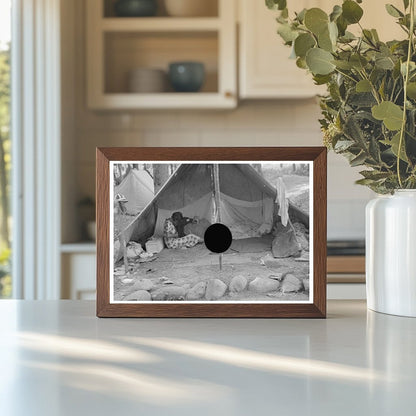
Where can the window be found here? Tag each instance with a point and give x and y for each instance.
(5, 145)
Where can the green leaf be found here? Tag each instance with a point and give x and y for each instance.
(321, 79)
(368, 36)
(388, 112)
(375, 35)
(374, 174)
(363, 86)
(287, 33)
(351, 11)
(333, 32)
(336, 12)
(343, 145)
(393, 11)
(301, 63)
(301, 15)
(303, 43)
(394, 145)
(276, 4)
(384, 62)
(358, 61)
(412, 67)
(358, 160)
(316, 20)
(345, 65)
(411, 90)
(406, 4)
(365, 182)
(347, 37)
(354, 132)
(342, 25)
(325, 42)
(319, 61)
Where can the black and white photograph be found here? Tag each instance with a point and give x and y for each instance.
(211, 232)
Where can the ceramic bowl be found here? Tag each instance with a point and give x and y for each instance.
(186, 76)
(147, 80)
(135, 8)
(191, 8)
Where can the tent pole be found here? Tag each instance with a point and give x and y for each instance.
(217, 193)
(126, 261)
(217, 200)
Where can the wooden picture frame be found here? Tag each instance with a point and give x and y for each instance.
(242, 159)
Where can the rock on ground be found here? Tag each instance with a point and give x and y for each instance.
(144, 284)
(215, 289)
(302, 235)
(197, 292)
(285, 244)
(305, 284)
(169, 293)
(238, 283)
(264, 285)
(291, 284)
(139, 295)
(270, 262)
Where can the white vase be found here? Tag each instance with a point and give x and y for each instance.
(391, 253)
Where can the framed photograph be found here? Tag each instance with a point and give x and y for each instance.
(211, 232)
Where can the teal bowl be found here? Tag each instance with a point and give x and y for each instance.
(135, 8)
(186, 76)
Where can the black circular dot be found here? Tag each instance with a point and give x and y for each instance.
(218, 238)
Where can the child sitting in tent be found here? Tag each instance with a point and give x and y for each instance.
(174, 234)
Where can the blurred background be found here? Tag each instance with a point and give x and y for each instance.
(97, 73)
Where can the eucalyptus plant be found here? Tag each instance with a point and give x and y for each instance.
(369, 111)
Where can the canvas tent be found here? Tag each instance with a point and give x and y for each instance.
(247, 202)
(138, 189)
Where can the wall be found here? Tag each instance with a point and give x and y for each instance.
(253, 123)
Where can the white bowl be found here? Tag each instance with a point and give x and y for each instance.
(147, 80)
(191, 8)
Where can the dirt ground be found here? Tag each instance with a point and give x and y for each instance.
(187, 267)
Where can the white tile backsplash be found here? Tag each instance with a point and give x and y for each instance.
(257, 123)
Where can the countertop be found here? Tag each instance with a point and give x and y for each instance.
(57, 358)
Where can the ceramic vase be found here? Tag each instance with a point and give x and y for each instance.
(391, 253)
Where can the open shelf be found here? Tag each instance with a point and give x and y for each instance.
(126, 51)
(160, 24)
(210, 10)
(167, 100)
(119, 45)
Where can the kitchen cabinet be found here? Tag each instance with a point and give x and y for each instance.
(118, 45)
(265, 70)
(78, 263)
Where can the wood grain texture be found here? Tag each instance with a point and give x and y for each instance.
(206, 309)
(346, 264)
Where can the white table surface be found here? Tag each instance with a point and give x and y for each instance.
(57, 358)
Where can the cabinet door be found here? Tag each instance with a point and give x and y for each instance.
(78, 274)
(265, 68)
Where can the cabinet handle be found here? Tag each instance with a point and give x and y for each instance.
(229, 94)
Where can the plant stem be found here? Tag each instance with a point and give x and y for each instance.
(405, 81)
(346, 75)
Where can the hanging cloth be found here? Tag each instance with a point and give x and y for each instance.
(282, 201)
